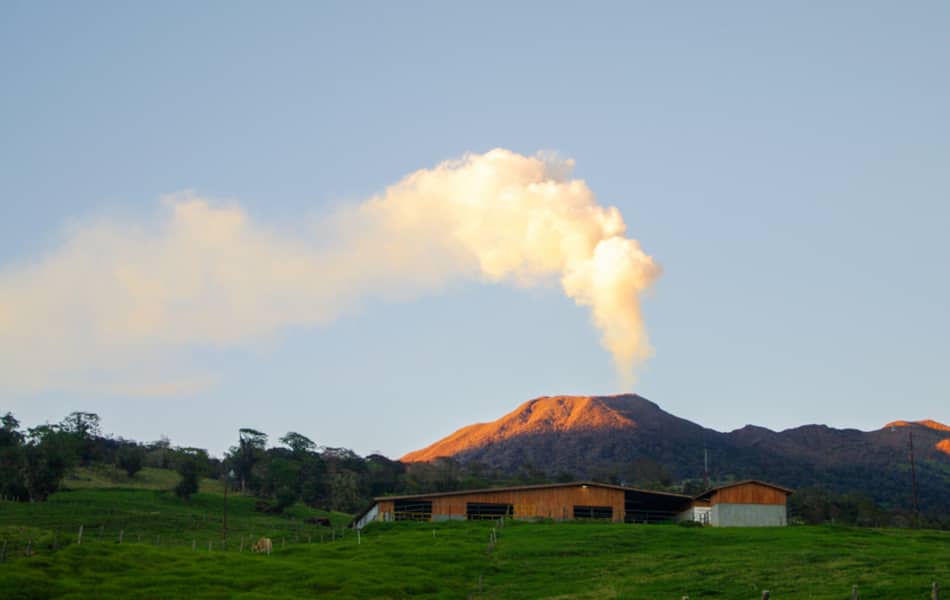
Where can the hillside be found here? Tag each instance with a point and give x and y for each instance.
(610, 436)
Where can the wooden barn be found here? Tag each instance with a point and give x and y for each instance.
(741, 504)
(735, 504)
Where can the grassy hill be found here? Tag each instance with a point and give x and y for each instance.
(149, 478)
(443, 560)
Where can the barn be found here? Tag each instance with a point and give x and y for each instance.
(742, 504)
(746, 503)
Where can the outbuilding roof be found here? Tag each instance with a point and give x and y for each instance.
(708, 493)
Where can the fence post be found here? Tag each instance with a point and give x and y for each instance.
(194, 545)
(121, 535)
(765, 595)
(854, 592)
(934, 590)
(79, 539)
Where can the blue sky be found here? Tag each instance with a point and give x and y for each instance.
(787, 165)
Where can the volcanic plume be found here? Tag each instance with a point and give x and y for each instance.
(206, 273)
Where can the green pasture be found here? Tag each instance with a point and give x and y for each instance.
(149, 478)
(436, 560)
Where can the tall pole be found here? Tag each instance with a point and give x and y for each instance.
(225, 528)
(913, 477)
(705, 467)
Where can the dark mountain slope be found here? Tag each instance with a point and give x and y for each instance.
(616, 436)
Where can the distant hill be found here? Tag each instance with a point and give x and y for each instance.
(618, 435)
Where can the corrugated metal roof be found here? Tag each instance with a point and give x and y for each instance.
(518, 488)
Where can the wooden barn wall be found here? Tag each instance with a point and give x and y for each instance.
(749, 493)
(552, 503)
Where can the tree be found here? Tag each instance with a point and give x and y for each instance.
(48, 454)
(131, 457)
(247, 453)
(299, 443)
(84, 427)
(187, 467)
(11, 458)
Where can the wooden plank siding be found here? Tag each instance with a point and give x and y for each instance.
(748, 493)
(556, 503)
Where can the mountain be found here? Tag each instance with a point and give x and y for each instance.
(629, 438)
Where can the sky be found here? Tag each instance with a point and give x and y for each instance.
(786, 166)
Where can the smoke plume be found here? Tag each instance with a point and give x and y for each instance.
(118, 294)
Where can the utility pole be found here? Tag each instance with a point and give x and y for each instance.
(705, 467)
(227, 484)
(913, 477)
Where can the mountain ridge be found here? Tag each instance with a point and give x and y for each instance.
(607, 436)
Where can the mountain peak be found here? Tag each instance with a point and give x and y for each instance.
(547, 414)
(928, 423)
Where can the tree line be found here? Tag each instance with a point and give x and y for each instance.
(34, 462)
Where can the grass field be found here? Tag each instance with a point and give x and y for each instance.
(442, 560)
(107, 476)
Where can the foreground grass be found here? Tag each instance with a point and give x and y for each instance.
(530, 560)
(155, 517)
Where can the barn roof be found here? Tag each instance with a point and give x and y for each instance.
(708, 493)
(541, 486)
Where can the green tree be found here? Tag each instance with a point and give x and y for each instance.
(130, 459)
(85, 431)
(11, 458)
(248, 452)
(298, 443)
(49, 453)
(188, 467)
